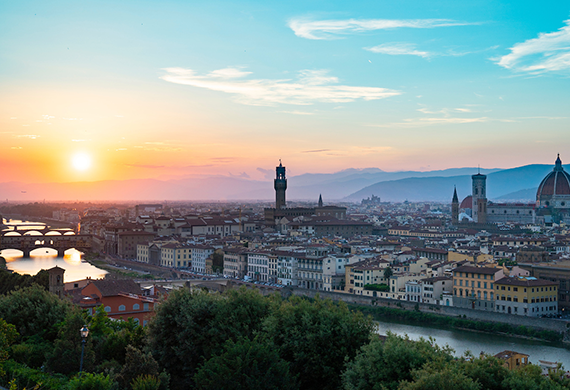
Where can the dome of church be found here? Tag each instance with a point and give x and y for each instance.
(466, 203)
(555, 187)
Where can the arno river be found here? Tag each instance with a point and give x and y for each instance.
(460, 341)
(476, 342)
(75, 267)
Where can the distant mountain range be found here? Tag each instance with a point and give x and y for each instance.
(516, 184)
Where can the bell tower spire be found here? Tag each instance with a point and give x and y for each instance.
(280, 185)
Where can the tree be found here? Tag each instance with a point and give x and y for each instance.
(246, 365)
(190, 327)
(486, 370)
(383, 364)
(447, 379)
(139, 364)
(65, 356)
(91, 382)
(34, 311)
(8, 335)
(316, 338)
(388, 272)
(529, 378)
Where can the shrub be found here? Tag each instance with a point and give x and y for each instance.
(91, 382)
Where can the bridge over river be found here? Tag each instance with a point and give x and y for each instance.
(28, 239)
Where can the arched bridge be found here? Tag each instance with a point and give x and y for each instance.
(27, 243)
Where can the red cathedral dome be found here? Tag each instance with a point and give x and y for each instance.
(556, 183)
(554, 190)
(466, 203)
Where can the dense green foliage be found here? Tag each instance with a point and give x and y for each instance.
(34, 311)
(235, 340)
(316, 338)
(399, 363)
(9, 281)
(190, 327)
(246, 364)
(418, 317)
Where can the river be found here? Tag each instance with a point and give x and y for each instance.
(462, 341)
(44, 258)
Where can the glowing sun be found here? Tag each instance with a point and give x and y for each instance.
(81, 161)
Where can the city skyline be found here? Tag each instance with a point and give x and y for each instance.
(105, 91)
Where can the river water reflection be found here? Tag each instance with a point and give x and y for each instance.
(44, 258)
(462, 341)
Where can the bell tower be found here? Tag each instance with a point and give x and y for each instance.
(280, 185)
(454, 208)
(479, 194)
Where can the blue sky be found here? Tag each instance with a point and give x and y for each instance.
(175, 88)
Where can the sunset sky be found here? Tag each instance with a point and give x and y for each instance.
(96, 90)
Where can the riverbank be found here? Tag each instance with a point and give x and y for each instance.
(417, 317)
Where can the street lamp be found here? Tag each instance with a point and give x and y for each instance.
(84, 333)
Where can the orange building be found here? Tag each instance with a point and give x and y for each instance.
(122, 299)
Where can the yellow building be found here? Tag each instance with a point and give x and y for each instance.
(473, 287)
(512, 359)
(526, 296)
(470, 257)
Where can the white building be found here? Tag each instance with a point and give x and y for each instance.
(199, 255)
(258, 266)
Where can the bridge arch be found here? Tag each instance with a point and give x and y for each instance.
(53, 233)
(12, 233)
(33, 233)
(44, 250)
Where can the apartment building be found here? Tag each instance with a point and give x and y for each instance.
(526, 296)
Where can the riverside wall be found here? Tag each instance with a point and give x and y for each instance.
(557, 325)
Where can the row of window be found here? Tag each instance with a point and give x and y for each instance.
(136, 306)
(466, 275)
(472, 283)
(532, 290)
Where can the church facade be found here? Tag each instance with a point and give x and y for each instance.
(552, 202)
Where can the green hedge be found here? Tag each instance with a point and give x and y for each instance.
(413, 316)
(28, 378)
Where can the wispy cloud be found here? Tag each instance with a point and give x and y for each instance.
(161, 147)
(242, 175)
(16, 147)
(398, 49)
(330, 29)
(73, 119)
(30, 136)
(267, 173)
(144, 166)
(223, 160)
(420, 122)
(298, 112)
(548, 52)
(311, 86)
(316, 151)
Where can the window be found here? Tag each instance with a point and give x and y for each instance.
(108, 309)
(145, 306)
(122, 308)
(136, 306)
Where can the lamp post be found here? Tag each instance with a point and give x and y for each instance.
(84, 333)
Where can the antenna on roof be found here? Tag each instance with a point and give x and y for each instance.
(478, 169)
